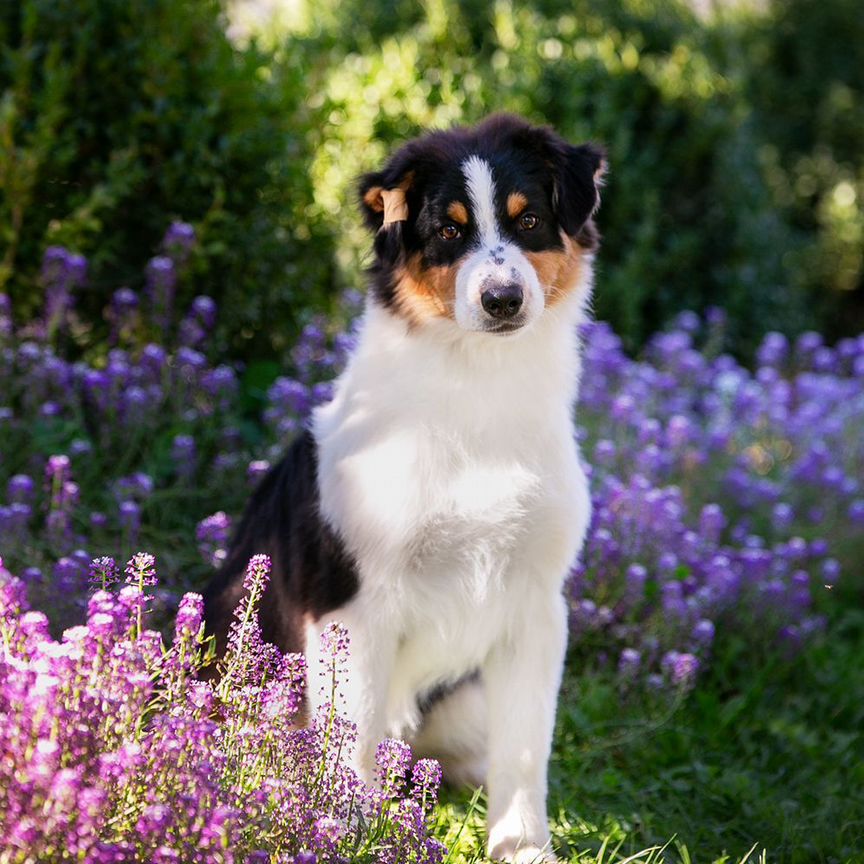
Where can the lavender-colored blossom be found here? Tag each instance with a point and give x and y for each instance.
(681, 667)
(204, 310)
(335, 641)
(426, 781)
(129, 514)
(629, 662)
(178, 241)
(212, 535)
(6, 325)
(703, 632)
(57, 468)
(291, 395)
(20, 489)
(190, 614)
(103, 572)
(183, 454)
(137, 486)
(161, 281)
(830, 571)
(141, 570)
(392, 758)
(256, 471)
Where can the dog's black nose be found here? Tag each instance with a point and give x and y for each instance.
(502, 301)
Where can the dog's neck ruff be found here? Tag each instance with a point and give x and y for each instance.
(451, 377)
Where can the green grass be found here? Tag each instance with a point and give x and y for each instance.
(764, 761)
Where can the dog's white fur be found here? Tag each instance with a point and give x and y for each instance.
(493, 259)
(448, 465)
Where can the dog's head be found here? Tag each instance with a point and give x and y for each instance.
(485, 226)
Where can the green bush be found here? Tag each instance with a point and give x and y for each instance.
(804, 68)
(736, 146)
(116, 117)
(688, 218)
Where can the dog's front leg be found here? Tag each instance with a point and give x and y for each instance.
(362, 677)
(522, 676)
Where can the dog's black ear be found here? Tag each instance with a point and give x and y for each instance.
(579, 175)
(384, 197)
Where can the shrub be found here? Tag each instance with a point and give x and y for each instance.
(687, 215)
(116, 117)
(803, 76)
(722, 190)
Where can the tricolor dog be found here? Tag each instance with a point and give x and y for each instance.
(436, 504)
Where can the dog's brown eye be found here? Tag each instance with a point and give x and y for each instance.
(528, 221)
(449, 232)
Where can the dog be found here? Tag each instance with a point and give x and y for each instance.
(437, 503)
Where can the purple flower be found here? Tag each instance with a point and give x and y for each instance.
(6, 326)
(124, 300)
(130, 517)
(20, 489)
(629, 663)
(703, 633)
(426, 780)
(204, 310)
(212, 535)
(830, 571)
(155, 820)
(183, 454)
(57, 468)
(256, 471)
(712, 521)
(257, 573)
(289, 394)
(179, 240)
(392, 758)
(103, 572)
(335, 641)
(138, 485)
(161, 281)
(141, 570)
(681, 668)
(190, 614)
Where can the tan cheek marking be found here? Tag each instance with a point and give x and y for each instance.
(458, 212)
(558, 270)
(422, 295)
(516, 203)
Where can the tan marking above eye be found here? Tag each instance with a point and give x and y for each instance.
(516, 203)
(458, 212)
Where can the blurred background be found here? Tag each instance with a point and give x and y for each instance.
(735, 132)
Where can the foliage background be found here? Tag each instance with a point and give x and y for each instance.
(736, 140)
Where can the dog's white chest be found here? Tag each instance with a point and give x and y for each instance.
(443, 473)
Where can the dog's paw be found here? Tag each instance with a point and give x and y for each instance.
(524, 855)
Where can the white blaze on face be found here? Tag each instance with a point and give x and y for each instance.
(494, 259)
(481, 190)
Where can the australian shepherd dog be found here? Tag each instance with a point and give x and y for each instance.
(437, 503)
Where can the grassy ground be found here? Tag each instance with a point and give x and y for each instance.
(764, 761)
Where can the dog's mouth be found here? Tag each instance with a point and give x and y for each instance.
(504, 327)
